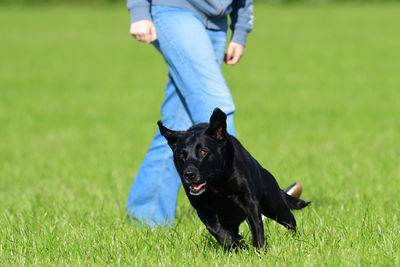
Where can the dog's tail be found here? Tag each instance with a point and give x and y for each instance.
(291, 197)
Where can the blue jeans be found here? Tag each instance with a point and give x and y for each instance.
(195, 87)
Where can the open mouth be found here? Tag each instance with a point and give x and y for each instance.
(197, 189)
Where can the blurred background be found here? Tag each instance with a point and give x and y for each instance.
(318, 101)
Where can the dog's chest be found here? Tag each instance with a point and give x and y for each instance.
(228, 209)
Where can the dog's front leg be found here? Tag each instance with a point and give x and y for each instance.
(223, 236)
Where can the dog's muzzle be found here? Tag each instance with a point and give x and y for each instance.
(197, 189)
(196, 186)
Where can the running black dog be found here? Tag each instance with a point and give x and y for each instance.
(225, 184)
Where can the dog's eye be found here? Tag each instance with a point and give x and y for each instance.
(181, 155)
(203, 152)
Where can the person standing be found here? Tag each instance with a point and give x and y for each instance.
(191, 36)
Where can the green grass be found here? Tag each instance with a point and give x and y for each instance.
(318, 101)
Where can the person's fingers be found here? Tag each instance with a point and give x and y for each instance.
(143, 37)
(228, 54)
(236, 56)
(143, 31)
(146, 37)
(153, 34)
(233, 60)
(140, 37)
(237, 53)
(134, 31)
(131, 30)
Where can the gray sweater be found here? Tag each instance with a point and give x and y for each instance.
(212, 12)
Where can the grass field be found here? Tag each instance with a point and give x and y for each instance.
(318, 101)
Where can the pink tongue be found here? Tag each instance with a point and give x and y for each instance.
(197, 187)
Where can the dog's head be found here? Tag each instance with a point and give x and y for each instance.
(199, 152)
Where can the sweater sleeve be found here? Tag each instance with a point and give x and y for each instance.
(241, 20)
(139, 10)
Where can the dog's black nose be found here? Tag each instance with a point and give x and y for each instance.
(189, 175)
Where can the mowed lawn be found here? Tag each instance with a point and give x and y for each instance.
(318, 101)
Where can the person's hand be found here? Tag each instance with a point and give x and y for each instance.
(234, 53)
(144, 31)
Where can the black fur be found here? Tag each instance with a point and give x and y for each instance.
(225, 184)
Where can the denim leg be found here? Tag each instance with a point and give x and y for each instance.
(153, 195)
(196, 86)
(218, 39)
(187, 48)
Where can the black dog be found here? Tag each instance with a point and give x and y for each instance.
(225, 184)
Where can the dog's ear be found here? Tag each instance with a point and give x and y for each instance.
(171, 136)
(217, 128)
